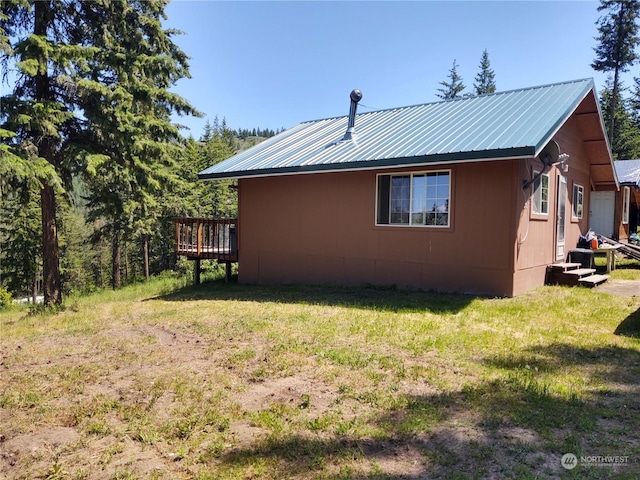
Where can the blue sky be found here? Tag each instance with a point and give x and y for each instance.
(276, 64)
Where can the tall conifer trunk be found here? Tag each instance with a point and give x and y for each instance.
(145, 255)
(616, 75)
(116, 257)
(34, 287)
(50, 252)
(614, 104)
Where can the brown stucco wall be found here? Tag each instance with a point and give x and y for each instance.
(535, 245)
(320, 228)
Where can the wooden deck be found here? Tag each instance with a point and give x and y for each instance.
(207, 238)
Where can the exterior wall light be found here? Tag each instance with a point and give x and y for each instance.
(563, 162)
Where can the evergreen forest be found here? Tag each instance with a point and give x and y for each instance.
(93, 169)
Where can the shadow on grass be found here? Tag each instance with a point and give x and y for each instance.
(608, 363)
(617, 369)
(630, 326)
(626, 263)
(517, 425)
(384, 298)
(506, 428)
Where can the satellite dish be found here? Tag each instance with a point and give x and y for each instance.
(550, 154)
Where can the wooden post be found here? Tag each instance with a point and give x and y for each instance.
(199, 238)
(177, 225)
(227, 272)
(196, 272)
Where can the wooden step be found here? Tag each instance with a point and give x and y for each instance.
(569, 277)
(579, 272)
(557, 273)
(564, 266)
(593, 280)
(572, 277)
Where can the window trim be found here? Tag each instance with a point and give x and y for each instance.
(626, 199)
(411, 174)
(533, 193)
(574, 213)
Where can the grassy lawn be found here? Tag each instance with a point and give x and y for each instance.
(626, 269)
(224, 381)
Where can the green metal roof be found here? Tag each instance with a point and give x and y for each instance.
(513, 124)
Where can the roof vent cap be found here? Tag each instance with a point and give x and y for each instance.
(355, 96)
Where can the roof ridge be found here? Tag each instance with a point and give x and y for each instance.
(470, 97)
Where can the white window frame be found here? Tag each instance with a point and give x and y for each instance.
(411, 183)
(536, 192)
(578, 191)
(626, 194)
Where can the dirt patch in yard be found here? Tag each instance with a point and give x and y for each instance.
(35, 449)
(627, 288)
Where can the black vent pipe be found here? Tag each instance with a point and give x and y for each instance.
(356, 96)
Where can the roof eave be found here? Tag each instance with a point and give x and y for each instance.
(437, 159)
(606, 138)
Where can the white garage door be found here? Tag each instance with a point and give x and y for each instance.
(601, 208)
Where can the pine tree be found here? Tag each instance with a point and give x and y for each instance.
(485, 79)
(220, 196)
(128, 119)
(633, 110)
(77, 255)
(92, 96)
(22, 253)
(206, 135)
(626, 135)
(618, 38)
(38, 115)
(453, 88)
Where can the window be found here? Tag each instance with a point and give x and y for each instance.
(625, 205)
(540, 193)
(578, 201)
(414, 199)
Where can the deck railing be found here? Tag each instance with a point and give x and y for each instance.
(206, 238)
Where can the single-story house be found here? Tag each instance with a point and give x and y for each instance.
(474, 195)
(614, 214)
